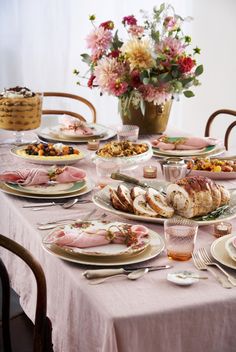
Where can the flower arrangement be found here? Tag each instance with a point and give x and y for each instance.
(152, 65)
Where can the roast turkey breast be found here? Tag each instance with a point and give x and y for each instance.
(158, 203)
(195, 196)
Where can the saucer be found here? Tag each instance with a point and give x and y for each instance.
(185, 281)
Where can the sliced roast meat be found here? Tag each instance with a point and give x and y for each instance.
(137, 191)
(158, 203)
(141, 207)
(124, 195)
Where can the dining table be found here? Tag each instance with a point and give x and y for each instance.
(120, 315)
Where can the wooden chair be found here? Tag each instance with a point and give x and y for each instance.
(228, 130)
(71, 113)
(37, 337)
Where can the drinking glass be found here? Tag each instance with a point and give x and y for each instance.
(127, 133)
(180, 237)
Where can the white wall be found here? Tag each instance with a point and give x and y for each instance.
(41, 42)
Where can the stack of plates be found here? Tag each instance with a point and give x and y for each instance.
(48, 191)
(106, 255)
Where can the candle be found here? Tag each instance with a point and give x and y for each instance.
(150, 171)
(222, 229)
(93, 144)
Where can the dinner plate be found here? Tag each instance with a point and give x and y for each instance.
(213, 152)
(106, 133)
(102, 200)
(219, 252)
(88, 188)
(155, 247)
(98, 131)
(192, 152)
(214, 175)
(106, 250)
(231, 248)
(47, 160)
(49, 189)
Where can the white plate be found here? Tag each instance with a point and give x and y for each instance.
(219, 252)
(45, 133)
(214, 175)
(155, 247)
(97, 132)
(102, 200)
(214, 152)
(88, 188)
(48, 160)
(191, 152)
(186, 281)
(50, 189)
(230, 248)
(111, 249)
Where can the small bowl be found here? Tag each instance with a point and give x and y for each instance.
(187, 281)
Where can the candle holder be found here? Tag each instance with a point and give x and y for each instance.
(93, 144)
(150, 171)
(222, 228)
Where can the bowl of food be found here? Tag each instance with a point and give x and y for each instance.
(124, 155)
(216, 169)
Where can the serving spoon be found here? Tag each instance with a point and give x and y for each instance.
(134, 275)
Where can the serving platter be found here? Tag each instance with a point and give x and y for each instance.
(92, 231)
(48, 160)
(49, 189)
(154, 248)
(88, 188)
(214, 175)
(219, 252)
(52, 134)
(102, 200)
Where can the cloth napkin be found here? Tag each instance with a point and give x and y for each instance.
(73, 126)
(84, 238)
(183, 143)
(38, 176)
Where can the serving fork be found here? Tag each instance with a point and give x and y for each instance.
(200, 265)
(210, 261)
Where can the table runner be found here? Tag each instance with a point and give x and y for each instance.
(150, 314)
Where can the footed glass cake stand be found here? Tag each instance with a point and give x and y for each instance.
(18, 138)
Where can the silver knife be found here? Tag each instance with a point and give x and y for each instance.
(97, 273)
(133, 180)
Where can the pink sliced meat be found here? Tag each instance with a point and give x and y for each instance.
(37, 176)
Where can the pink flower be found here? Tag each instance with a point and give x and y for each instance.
(99, 40)
(156, 95)
(171, 23)
(135, 79)
(108, 70)
(136, 31)
(114, 53)
(130, 20)
(107, 25)
(117, 88)
(171, 47)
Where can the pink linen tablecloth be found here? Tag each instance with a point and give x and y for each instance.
(149, 315)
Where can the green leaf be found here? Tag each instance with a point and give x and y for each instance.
(165, 77)
(199, 70)
(86, 58)
(116, 43)
(186, 80)
(189, 94)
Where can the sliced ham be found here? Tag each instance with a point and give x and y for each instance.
(195, 196)
(37, 176)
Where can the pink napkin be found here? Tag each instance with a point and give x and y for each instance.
(82, 238)
(41, 176)
(74, 126)
(183, 143)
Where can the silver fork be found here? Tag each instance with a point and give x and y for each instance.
(209, 261)
(200, 265)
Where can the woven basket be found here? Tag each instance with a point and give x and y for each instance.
(20, 114)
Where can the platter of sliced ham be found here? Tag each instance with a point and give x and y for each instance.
(103, 243)
(197, 198)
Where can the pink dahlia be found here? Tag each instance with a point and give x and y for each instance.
(171, 47)
(156, 95)
(186, 64)
(108, 70)
(130, 20)
(117, 88)
(99, 40)
(171, 23)
(107, 25)
(136, 31)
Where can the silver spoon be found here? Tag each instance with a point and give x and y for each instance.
(134, 275)
(70, 203)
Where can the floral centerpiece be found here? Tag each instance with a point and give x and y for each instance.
(151, 66)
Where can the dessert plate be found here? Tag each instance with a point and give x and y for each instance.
(154, 248)
(110, 249)
(50, 188)
(220, 253)
(48, 160)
